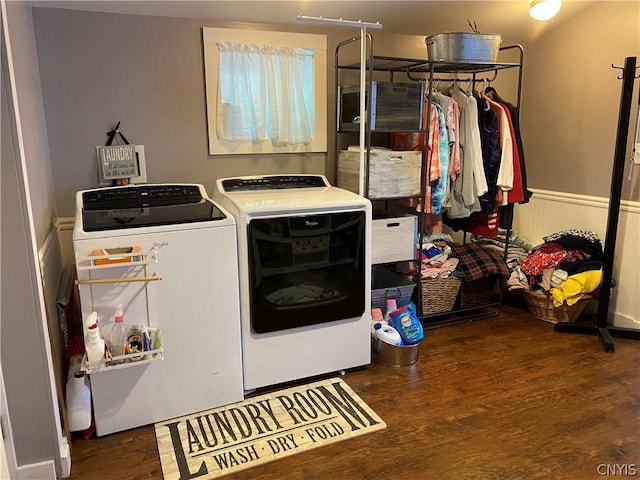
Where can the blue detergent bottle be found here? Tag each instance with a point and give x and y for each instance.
(408, 325)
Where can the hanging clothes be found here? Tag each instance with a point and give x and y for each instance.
(454, 141)
(514, 116)
(471, 148)
(470, 182)
(440, 187)
(484, 224)
(488, 127)
(516, 194)
(436, 174)
(505, 173)
(452, 121)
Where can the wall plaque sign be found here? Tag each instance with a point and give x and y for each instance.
(118, 161)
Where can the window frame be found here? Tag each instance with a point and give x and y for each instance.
(318, 43)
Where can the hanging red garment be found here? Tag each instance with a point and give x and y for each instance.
(516, 194)
(484, 224)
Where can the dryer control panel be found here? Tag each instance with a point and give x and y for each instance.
(273, 182)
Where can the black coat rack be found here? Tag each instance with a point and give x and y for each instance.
(599, 325)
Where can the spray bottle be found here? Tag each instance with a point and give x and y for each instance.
(94, 344)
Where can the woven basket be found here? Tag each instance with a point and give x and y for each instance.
(439, 294)
(541, 307)
(482, 291)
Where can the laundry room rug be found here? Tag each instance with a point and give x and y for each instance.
(235, 437)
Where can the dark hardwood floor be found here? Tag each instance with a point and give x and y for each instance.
(501, 398)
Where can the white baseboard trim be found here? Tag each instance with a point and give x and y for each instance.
(65, 458)
(623, 321)
(37, 471)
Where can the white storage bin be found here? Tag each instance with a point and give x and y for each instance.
(392, 174)
(393, 239)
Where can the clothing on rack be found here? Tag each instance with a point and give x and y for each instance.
(505, 172)
(470, 143)
(516, 194)
(440, 186)
(514, 117)
(474, 161)
(510, 184)
(489, 128)
(412, 141)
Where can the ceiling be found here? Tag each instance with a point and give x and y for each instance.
(508, 18)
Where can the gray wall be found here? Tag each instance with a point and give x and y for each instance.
(571, 100)
(34, 132)
(23, 336)
(147, 72)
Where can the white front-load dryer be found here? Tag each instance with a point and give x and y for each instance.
(305, 275)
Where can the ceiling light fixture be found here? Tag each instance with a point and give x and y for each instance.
(544, 9)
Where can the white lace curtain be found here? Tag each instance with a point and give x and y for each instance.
(265, 92)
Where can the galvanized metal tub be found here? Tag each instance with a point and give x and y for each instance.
(464, 47)
(394, 355)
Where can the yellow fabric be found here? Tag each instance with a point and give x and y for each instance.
(575, 286)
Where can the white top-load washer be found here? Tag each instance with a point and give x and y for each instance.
(305, 276)
(167, 253)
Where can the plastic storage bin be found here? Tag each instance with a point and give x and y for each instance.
(388, 284)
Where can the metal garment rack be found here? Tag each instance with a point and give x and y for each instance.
(412, 67)
(364, 36)
(468, 314)
(599, 325)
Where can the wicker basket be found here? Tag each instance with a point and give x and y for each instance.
(482, 291)
(439, 294)
(541, 307)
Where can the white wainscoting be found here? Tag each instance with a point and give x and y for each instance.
(51, 270)
(548, 212)
(50, 261)
(64, 225)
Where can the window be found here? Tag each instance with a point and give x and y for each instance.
(266, 91)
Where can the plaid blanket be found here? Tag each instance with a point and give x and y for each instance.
(477, 262)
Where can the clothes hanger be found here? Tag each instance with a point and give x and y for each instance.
(469, 92)
(449, 89)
